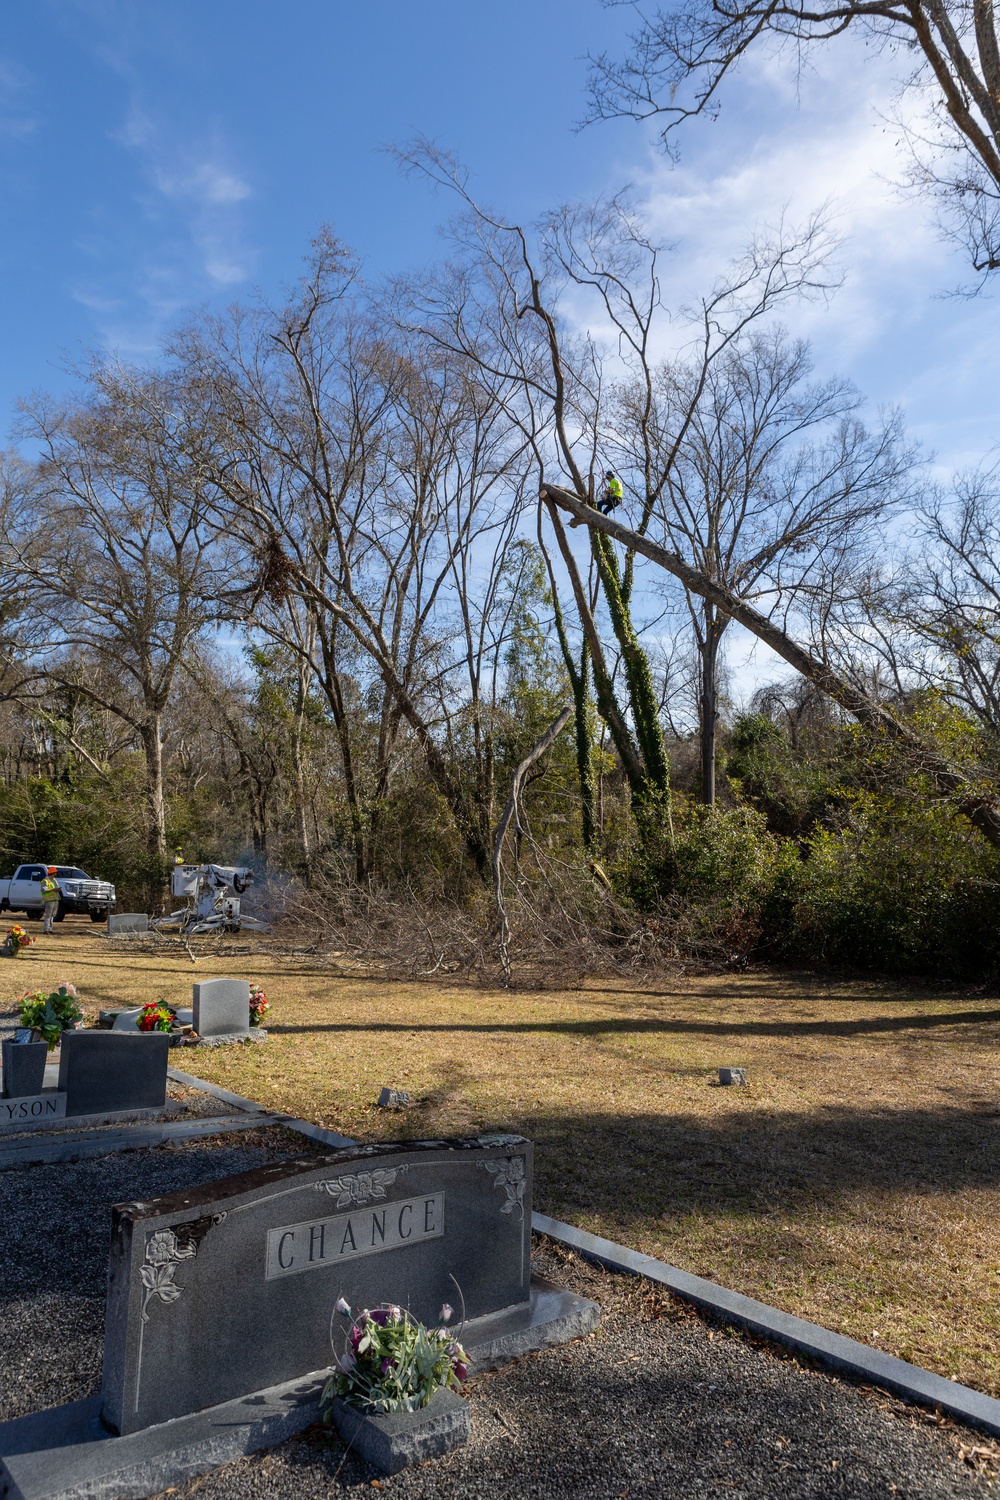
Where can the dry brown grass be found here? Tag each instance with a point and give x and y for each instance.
(856, 1181)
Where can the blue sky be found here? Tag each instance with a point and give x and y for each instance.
(156, 155)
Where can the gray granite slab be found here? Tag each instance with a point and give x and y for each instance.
(58, 1120)
(221, 1008)
(835, 1350)
(232, 1285)
(127, 921)
(553, 1316)
(49, 1146)
(32, 1111)
(226, 1038)
(392, 1440)
(109, 1070)
(68, 1454)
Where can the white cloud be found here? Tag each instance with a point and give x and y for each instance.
(17, 121)
(206, 184)
(183, 233)
(786, 147)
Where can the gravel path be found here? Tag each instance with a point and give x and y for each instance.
(56, 1222)
(658, 1403)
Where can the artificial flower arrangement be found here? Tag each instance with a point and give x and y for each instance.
(19, 937)
(259, 1005)
(156, 1015)
(394, 1363)
(50, 1012)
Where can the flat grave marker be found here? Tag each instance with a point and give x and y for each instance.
(393, 1099)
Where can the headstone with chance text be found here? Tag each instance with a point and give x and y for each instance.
(228, 1288)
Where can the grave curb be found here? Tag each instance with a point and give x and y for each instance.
(315, 1132)
(834, 1350)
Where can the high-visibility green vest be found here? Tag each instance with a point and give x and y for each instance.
(50, 891)
(615, 488)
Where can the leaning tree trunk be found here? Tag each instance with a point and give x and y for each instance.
(981, 807)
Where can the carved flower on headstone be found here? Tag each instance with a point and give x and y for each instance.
(360, 1187)
(162, 1247)
(163, 1250)
(508, 1173)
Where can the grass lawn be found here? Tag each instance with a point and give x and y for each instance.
(856, 1181)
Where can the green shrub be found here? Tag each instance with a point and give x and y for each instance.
(905, 885)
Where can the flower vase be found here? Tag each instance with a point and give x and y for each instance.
(23, 1068)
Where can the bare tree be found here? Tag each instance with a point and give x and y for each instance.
(116, 554)
(352, 468)
(502, 307)
(681, 56)
(773, 484)
(932, 621)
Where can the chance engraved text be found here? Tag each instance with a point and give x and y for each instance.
(325, 1242)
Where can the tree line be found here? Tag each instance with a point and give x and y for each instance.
(315, 585)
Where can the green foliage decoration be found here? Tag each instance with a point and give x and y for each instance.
(50, 1013)
(394, 1363)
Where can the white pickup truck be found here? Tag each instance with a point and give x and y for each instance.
(77, 892)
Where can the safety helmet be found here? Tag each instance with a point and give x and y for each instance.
(51, 870)
(610, 474)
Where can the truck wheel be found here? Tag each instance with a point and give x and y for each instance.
(33, 916)
(98, 916)
(60, 913)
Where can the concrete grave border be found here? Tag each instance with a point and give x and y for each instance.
(835, 1350)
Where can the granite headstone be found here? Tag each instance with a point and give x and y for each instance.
(221, 1009)
(105, 1071)
(127, 921)
(227, 1288)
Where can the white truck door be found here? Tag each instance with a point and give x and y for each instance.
(25, 888)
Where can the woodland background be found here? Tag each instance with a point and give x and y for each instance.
(308, 591)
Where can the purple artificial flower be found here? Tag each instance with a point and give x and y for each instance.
(461, 1371)
(342, 1307)
(356, 1336)
(447, 1312)
(380, 1317)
